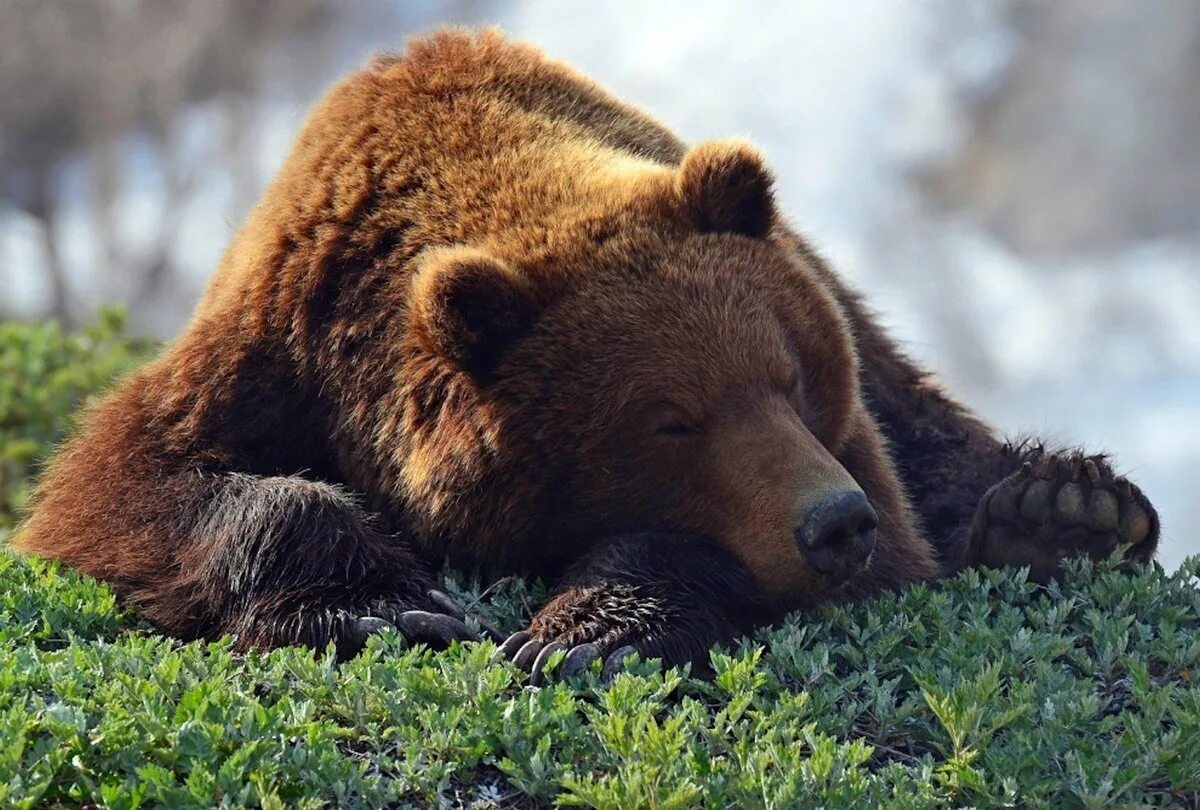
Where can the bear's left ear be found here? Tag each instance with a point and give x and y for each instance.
(468, 306)
(725, 187)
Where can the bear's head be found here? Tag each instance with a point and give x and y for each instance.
(693, 376)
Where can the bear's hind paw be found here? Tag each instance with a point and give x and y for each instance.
(1059, 506)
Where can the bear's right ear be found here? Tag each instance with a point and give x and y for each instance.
(468, 306)
(725, 187)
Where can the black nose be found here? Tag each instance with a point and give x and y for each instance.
(838, 535)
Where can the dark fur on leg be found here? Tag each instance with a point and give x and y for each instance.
(946, 457)
(664, 596)
(284, 560)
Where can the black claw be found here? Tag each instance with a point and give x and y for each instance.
(1124, 489)
(464, 633)
(1092, 471)
(578, 660)
(489, 631)
(1073, 467)
(436, 628)
(446, 605)
(442, 601)
(615, 662)
(510, 645)
(367, 626)
(537, 676)
(527, 654)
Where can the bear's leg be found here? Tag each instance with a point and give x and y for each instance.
(283, 560)
(662, 596)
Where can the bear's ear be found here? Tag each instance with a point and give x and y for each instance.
(468, 306)
(725, 187)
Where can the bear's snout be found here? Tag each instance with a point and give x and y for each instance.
(838, 534)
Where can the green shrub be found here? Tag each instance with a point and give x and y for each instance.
(985, 691)
(45, 374)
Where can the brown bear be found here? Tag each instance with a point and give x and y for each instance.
(487, 312)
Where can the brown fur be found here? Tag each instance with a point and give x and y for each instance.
(515, 317)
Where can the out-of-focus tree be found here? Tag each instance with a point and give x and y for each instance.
(80, 82)
(1089, 141)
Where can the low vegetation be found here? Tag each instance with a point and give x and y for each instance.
(45, 374)
(986, 690)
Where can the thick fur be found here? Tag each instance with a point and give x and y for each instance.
(532, 331)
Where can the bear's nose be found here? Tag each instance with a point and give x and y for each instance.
(838, 534)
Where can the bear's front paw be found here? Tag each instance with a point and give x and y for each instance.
(610, 622)
(1060, 506)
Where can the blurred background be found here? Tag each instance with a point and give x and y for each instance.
(1016, 186)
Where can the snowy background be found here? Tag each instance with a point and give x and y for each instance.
(1015, 185)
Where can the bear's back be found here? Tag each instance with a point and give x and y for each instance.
(454, 62)
(463, 139)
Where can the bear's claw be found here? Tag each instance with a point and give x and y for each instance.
(1059, 506)
(537, 671)
(437, 629)
(365, 627)
(446, 605)
(578, 660)
(533, 656)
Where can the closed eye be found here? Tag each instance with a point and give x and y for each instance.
(679, 430)
(668, 419)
